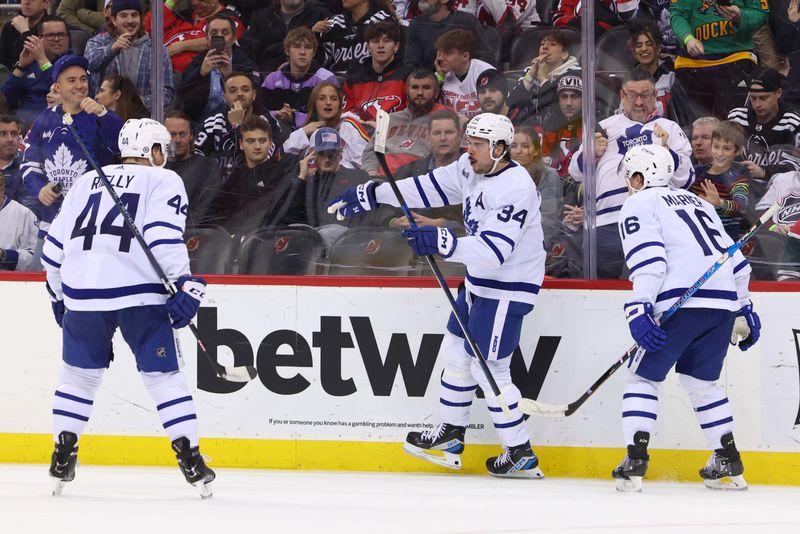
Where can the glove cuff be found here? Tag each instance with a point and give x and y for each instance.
(446, 242)
(637, 309)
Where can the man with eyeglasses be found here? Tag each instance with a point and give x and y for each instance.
(638, 124)
(18, 29)
(27, 87)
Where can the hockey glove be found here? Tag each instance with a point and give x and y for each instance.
(183, 305)
(354, 202)
(746, 328)
(429, 240)
(644, 329)
(58, 310)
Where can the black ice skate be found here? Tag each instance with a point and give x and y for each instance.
(724, 469)
(630, 472)
(193, 467)
(445, 438)
(515, 462)
(64, 460)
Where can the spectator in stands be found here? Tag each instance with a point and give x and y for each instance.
(202, 86)
(201, 175)
(607, 13)
(784, 188)
(459, 72)
(492, 89)
(18, 230)
(257, 191)
(10, 157)
(527, 151)
(772, 130)
(220, 136)
(534, 97)
(26, 89)
(439, 17)
(563, 130)
(325, 109)
(18, 29)
(118, 94)
(407, 139)
(342, 35)
(509, 18)
(127, 50)
(285, 91)
(185, 31)
(717, 51)
(638, 124)
(379, 81)
(53, 98)
(702, 130)
(80, 16)
(264, 40)
(658, 12)
(724, 183)
(785, 22)
(445, 141)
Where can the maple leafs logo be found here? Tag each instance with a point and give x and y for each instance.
(64, 168)
(470, 224)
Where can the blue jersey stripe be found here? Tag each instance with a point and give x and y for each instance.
(455, 404)
(638, 413)
(73, 398)
(173, 402)
(505, 286)
(112, 292)
(54, 241)
(501, 236)
(701, 294)
(712, 405)
(65, 413)
(717, 423)
(641, 246)
(459, 388)
(609, 210)
(439, 190)
(494, 248)
(180, 420)
(509, 425)
(421, 192)
(612, 193)
(51, 262)
(498, 409)
(741, 266)
(157, 242)
(161, 223)
(639, 396)
(647, 262)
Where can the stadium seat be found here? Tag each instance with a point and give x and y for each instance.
(606, 94)
(612, 53)
(491, 37)
(78, 40)
(447, 268)
(291, 250)
(526, 45)
(371, 251)
(210, 250)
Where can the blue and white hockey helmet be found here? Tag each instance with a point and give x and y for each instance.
(137, 137)
(493, 128)
(653, 162)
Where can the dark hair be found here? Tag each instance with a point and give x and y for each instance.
(420, 74)
(236, 74)
(537, 168)
(729, 131)
(53, 18)
(561, 37)
(458, 39)
(645, 27)
(298, 35)
(255, 122)
(8, 119)
(130, 104)
(379, 29)
(637, 74)
(221, 16)
(179, 114)
(445, 115)
(312, 104)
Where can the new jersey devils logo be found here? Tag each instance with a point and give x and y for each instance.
(192, 244)
(372, 247)
(389, 104)
(280, 245)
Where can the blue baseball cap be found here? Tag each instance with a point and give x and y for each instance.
(69, 61)
(327, 139)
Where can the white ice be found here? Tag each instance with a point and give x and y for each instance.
(139, 500)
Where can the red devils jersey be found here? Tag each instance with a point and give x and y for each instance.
(366, 91)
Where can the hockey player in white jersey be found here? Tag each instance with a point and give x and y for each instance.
(99, 280)
(504, 255)
(671, 237)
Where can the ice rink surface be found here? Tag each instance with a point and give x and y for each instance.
(144, 500)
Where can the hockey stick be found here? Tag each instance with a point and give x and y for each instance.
(534, 407)
(243, 373)
(381, 131)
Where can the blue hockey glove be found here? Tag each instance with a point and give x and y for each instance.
(354, 202)
(644, 329)
(183, 305)
(429, 240)
(746, 328)
(58, 310)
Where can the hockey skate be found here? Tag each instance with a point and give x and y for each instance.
(64, 461)
(515, 462)
(445, 438)
(724, 469)
(193, 467)
(630, 472)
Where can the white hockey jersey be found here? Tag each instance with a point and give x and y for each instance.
(504, 249)
(520, 13)
(94, 262)
(18, 230)
(462, 95)
(624, 133)
(670, 238)
(783, 188)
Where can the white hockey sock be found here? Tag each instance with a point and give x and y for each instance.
(174, 404)
(639, 406)
(457, 386)
(512, 431)
(712, 408)
(74, 399)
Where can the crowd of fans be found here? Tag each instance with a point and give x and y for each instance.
(271, 107)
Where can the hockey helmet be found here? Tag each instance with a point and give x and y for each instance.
(653, 162)
(493, 128)
(137, 137)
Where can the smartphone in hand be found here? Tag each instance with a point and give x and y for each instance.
(218, 44)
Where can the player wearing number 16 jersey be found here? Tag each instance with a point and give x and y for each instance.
(670, 238)
(99, 280)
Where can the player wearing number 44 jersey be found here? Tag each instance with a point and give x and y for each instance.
(99, 280)
(671, 237)
(504, 254)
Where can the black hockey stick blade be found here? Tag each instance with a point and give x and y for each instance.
(241, 373)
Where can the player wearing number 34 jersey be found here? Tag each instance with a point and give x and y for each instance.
(100, 280)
